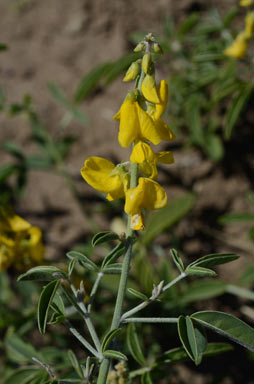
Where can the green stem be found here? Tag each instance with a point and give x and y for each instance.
(94, 290)
(151, 320)
(104, 368)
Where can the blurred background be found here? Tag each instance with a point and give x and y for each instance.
(61, 70)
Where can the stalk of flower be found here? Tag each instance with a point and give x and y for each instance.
(140, 124)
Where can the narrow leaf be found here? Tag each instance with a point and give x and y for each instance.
(75, 363)
(134, 344)
(177, 260)
(236, 108)
(228, 326)
(83, 260)
(146, 378)
(43, 273)
(103, 237)
(114, 254)
(46, 297)
(183, 335)
(112, 269)
(213, 260)
(109, 337)
(114, 355)
(235, 217)
(137, 294)
(166, 217)
(199, 271)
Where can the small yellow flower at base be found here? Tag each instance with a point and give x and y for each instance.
(149, 90)
(9, 221)
(105, 177)
(246, 3)
(238, 48)
(143, 154)
(148, 195)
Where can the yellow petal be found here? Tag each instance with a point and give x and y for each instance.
(246, 3)
(9, 221)
(129, 123)
(249, 25)
(238, 48)
(148, 89)
(6, 257)
(117, 116)
(146, 62)
(163, 96)
(165, 157)
(148, 194)
(147, 127)
(164, 131)
(137, 222)
(143, 154)
(96, 172)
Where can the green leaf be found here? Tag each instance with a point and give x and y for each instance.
(146, 378)
(3, 47)
(197, 339)
(91, 81)
(114, 355)
(213, 259)
(134, 344)
(46, 297)
(201, 290)
(230, 15)
(14, 149)
(213, 146)
(108, 338)
(6, 171)
(103, 237)
(43, 273)
(236, 108)
(183, 335)
(137, 294)
(177, 259)
(235, 217)
(75, 363)
(18, 350)
(112, 269)
(189, 22)
(199, 271)
(83, 260)
(38, 162)
(58, 94)
(228, 326)
(178, 354)
(71, 266)
(114, 254)
(24, 375)
(166, 217)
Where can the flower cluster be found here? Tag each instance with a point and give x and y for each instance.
(20, 243)
(240, 45)
(140, 125)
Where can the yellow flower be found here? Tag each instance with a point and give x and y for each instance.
(149, 90)
(9, 221)
(132, 72)
(238, 48)
(249, 25)
(143, 154)
(137, 124)
(29, 249)
(149, 195)
(6, 257)
(246, 3)
(105, 177)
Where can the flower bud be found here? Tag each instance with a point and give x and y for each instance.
(133, 72)
(157, 48)
(149, 89)
(140, 47)
(146, 62)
